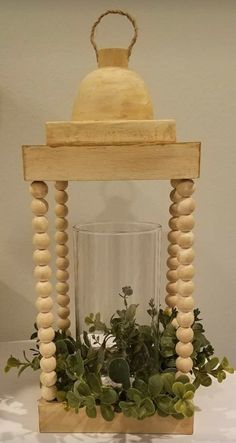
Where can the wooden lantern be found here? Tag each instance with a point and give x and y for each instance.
(112, 136)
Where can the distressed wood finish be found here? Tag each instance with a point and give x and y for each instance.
(54, 418)
(110, 132)
(136, 162)
(62, 262)
(44, 302)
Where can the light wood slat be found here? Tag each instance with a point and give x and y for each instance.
(136, 162)
(110, 132)
(54, 418)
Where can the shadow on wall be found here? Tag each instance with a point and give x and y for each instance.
(14, 313)
(117, 207)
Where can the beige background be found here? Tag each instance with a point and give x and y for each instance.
(186, 54)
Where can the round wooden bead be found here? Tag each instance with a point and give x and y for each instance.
(61, 196)
(62, 263)
(48, 378)
(62, 250)
(175, 182)
(38, 189)
(174, 210)
(62, 287)
(186, 256)
(186, 272)
(172, 288)
(185, 335)
(46, 335)
(185, 223)
(44, 319)
(44, 288)
(61, 237)
(41, 241)
(172, 300)
(42, 273)
(172, 275)
(185, 288)
(185, 188)
(186, 304)
(40, 224)
(44, 304)
(172, 263)
(175, 323)
(63, 323)
(184, 349)
(61, 223)
(63, 312)
(41, 256)
(173, 250)
(173, 237)
(48, 364)
(185, 319)
(185, 239)
(39, 206)
(173, 223)
(47, 349)
(62, 275)
(48, 393)
(61, 210)
(174, 196)
(63, 300)
(184, 364)
(186, 206)
(61, 185)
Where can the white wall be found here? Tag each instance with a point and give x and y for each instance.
(186, 54)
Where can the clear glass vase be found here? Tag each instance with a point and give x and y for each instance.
(109, 256)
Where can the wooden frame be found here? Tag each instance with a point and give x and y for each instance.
(114, 150)
(54, 418)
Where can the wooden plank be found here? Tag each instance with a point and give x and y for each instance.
(110, 132)
(54, 418)
(131, 162)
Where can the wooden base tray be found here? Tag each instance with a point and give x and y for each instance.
(54, 418)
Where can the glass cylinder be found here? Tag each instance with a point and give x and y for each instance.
(112, 255)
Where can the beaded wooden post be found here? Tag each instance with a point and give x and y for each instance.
(185, 286)
(44, 302)
(62, 261)
(173, 248)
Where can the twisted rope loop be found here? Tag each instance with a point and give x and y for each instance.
(120, 12)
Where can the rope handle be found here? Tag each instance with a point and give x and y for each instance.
(120, 12)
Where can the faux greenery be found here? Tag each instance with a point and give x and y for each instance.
(135, 375)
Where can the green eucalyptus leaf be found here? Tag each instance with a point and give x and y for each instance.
(140, 385)
(13, 362)
(119, 371)
(164, 403)
(221, 376)
(168, 380)
(211, 364)
(224, 363)
(94, 382)
(149, 406)
(205, 379)
(61, 396)
(91, 412)
(155, 385)
(75, 364)
(82, 388)
(107, 412)
(89, 402)
(188, 395)
(183, 379)
(134, 394)
(72, 400)
(108, 395)
(178, 389)
(189, 387)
